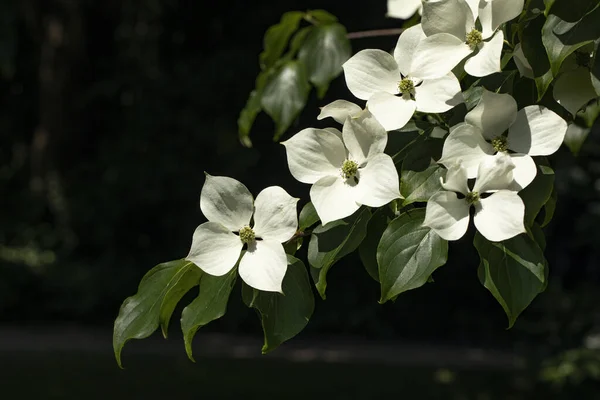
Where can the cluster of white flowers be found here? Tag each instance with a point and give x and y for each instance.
(349, 169)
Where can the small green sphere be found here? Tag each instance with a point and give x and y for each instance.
(474, 38)
(472, 197)
(247, 235)
(406, 86)
(500, 144)
(349, 169)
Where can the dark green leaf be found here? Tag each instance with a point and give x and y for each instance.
(187, 280)
(298, 40)
(556, 49)
(329, 243)
(211, 304)
(586, 29)
(285, 95)
(283, 316)
(277, 37)
(572, 10)
(420, 176)
(408, 253)
(537, 193)
(308, 217)
(323, 53)
(139, 315)
(514, 271)
(252, 108)
(535, 52)
(550, 208)
(537, 234)
(575, 137)
(595, 69)
(321, 16)
(368, 248)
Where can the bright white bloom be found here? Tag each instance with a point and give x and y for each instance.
(229, 208)
(452, 35)
(533, 131)
(346, 169)
(339, 110)
(499, 211)
(393, 87)
(403, 9)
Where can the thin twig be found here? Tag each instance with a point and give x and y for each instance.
(375, 33)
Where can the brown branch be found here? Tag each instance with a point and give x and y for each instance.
(375, 33)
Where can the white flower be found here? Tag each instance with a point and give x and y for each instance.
(346, 169)
(450, 26)
(498, 216)
(339, 110)
(403, 9)
(229, 208)
(393, 87)
(533, 131)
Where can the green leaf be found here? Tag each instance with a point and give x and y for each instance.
(211, 304)
(321, 16)
(595, 69)
(550, 208)
(283, 316)
(408, 253)
(324, 51)
(277, 37)
(556, 49)
(308, 217)
(420, 176)
(538, 192)
(575, 137)
(252, 108)
(572, 10)
(139, 315)
(514, 271)
(187, 280)
(537, 234)
(535, 52)
(585, 30)
(330, 242)
(285, 96)
(368, 248)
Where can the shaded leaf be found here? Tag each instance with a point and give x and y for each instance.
(575, 137)
(308, 217)
(556, 49)
(252, 108)
(277, 37)
(368, 248)
(420, 176)
(572, 10)
(187, 280)
(538, 192)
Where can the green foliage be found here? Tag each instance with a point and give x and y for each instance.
(572, 10)
(538, 192)
(277, 37)
(330, 242)
(141, 314)
(368, 248)
(420, 175)
(408, 253)
(514, 271)
(283, 316)
(308, 217)
(209, 305)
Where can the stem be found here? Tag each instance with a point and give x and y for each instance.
(375, 33)
(299, 234)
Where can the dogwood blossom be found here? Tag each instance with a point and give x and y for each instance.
(498, 216)
(532, 131)
(393, 88)
(403, 9)
(339, 110)
(453, 35)
(230, 210)
(346, 169)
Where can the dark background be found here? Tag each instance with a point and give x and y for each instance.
(110, 112)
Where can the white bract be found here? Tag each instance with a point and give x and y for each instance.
(346, 169)
(230, 208)
(393, 88)
(339, 110)
(498, 216)
(453, 35)
(532, 131)
(403, 9)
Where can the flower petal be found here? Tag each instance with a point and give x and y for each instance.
(537, 131)
(493, 114)
(406, 47)
(487, 60)
(466, 145)
(264, 265)
(438, 95)
(523, 65)
(391, 111)
(436, 55)
(333, 198)
(339, 110)
(226, 201)
(402, 9)
(215, 249)
(378, 182)
(574, 89)
(275, 215)
(500, 216)
(447, 215)
(494, 173)
(371, 71)
(524, 172)
(456, 179)
(314, 153)
(447, 16)
(364, 137)
(492, 14)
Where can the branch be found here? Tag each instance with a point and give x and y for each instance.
(375, 33)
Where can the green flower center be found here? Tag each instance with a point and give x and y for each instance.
(247, 235)
(474, 38)
(472, 197)
(500, 144)
(406, 86)
(349, 169)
